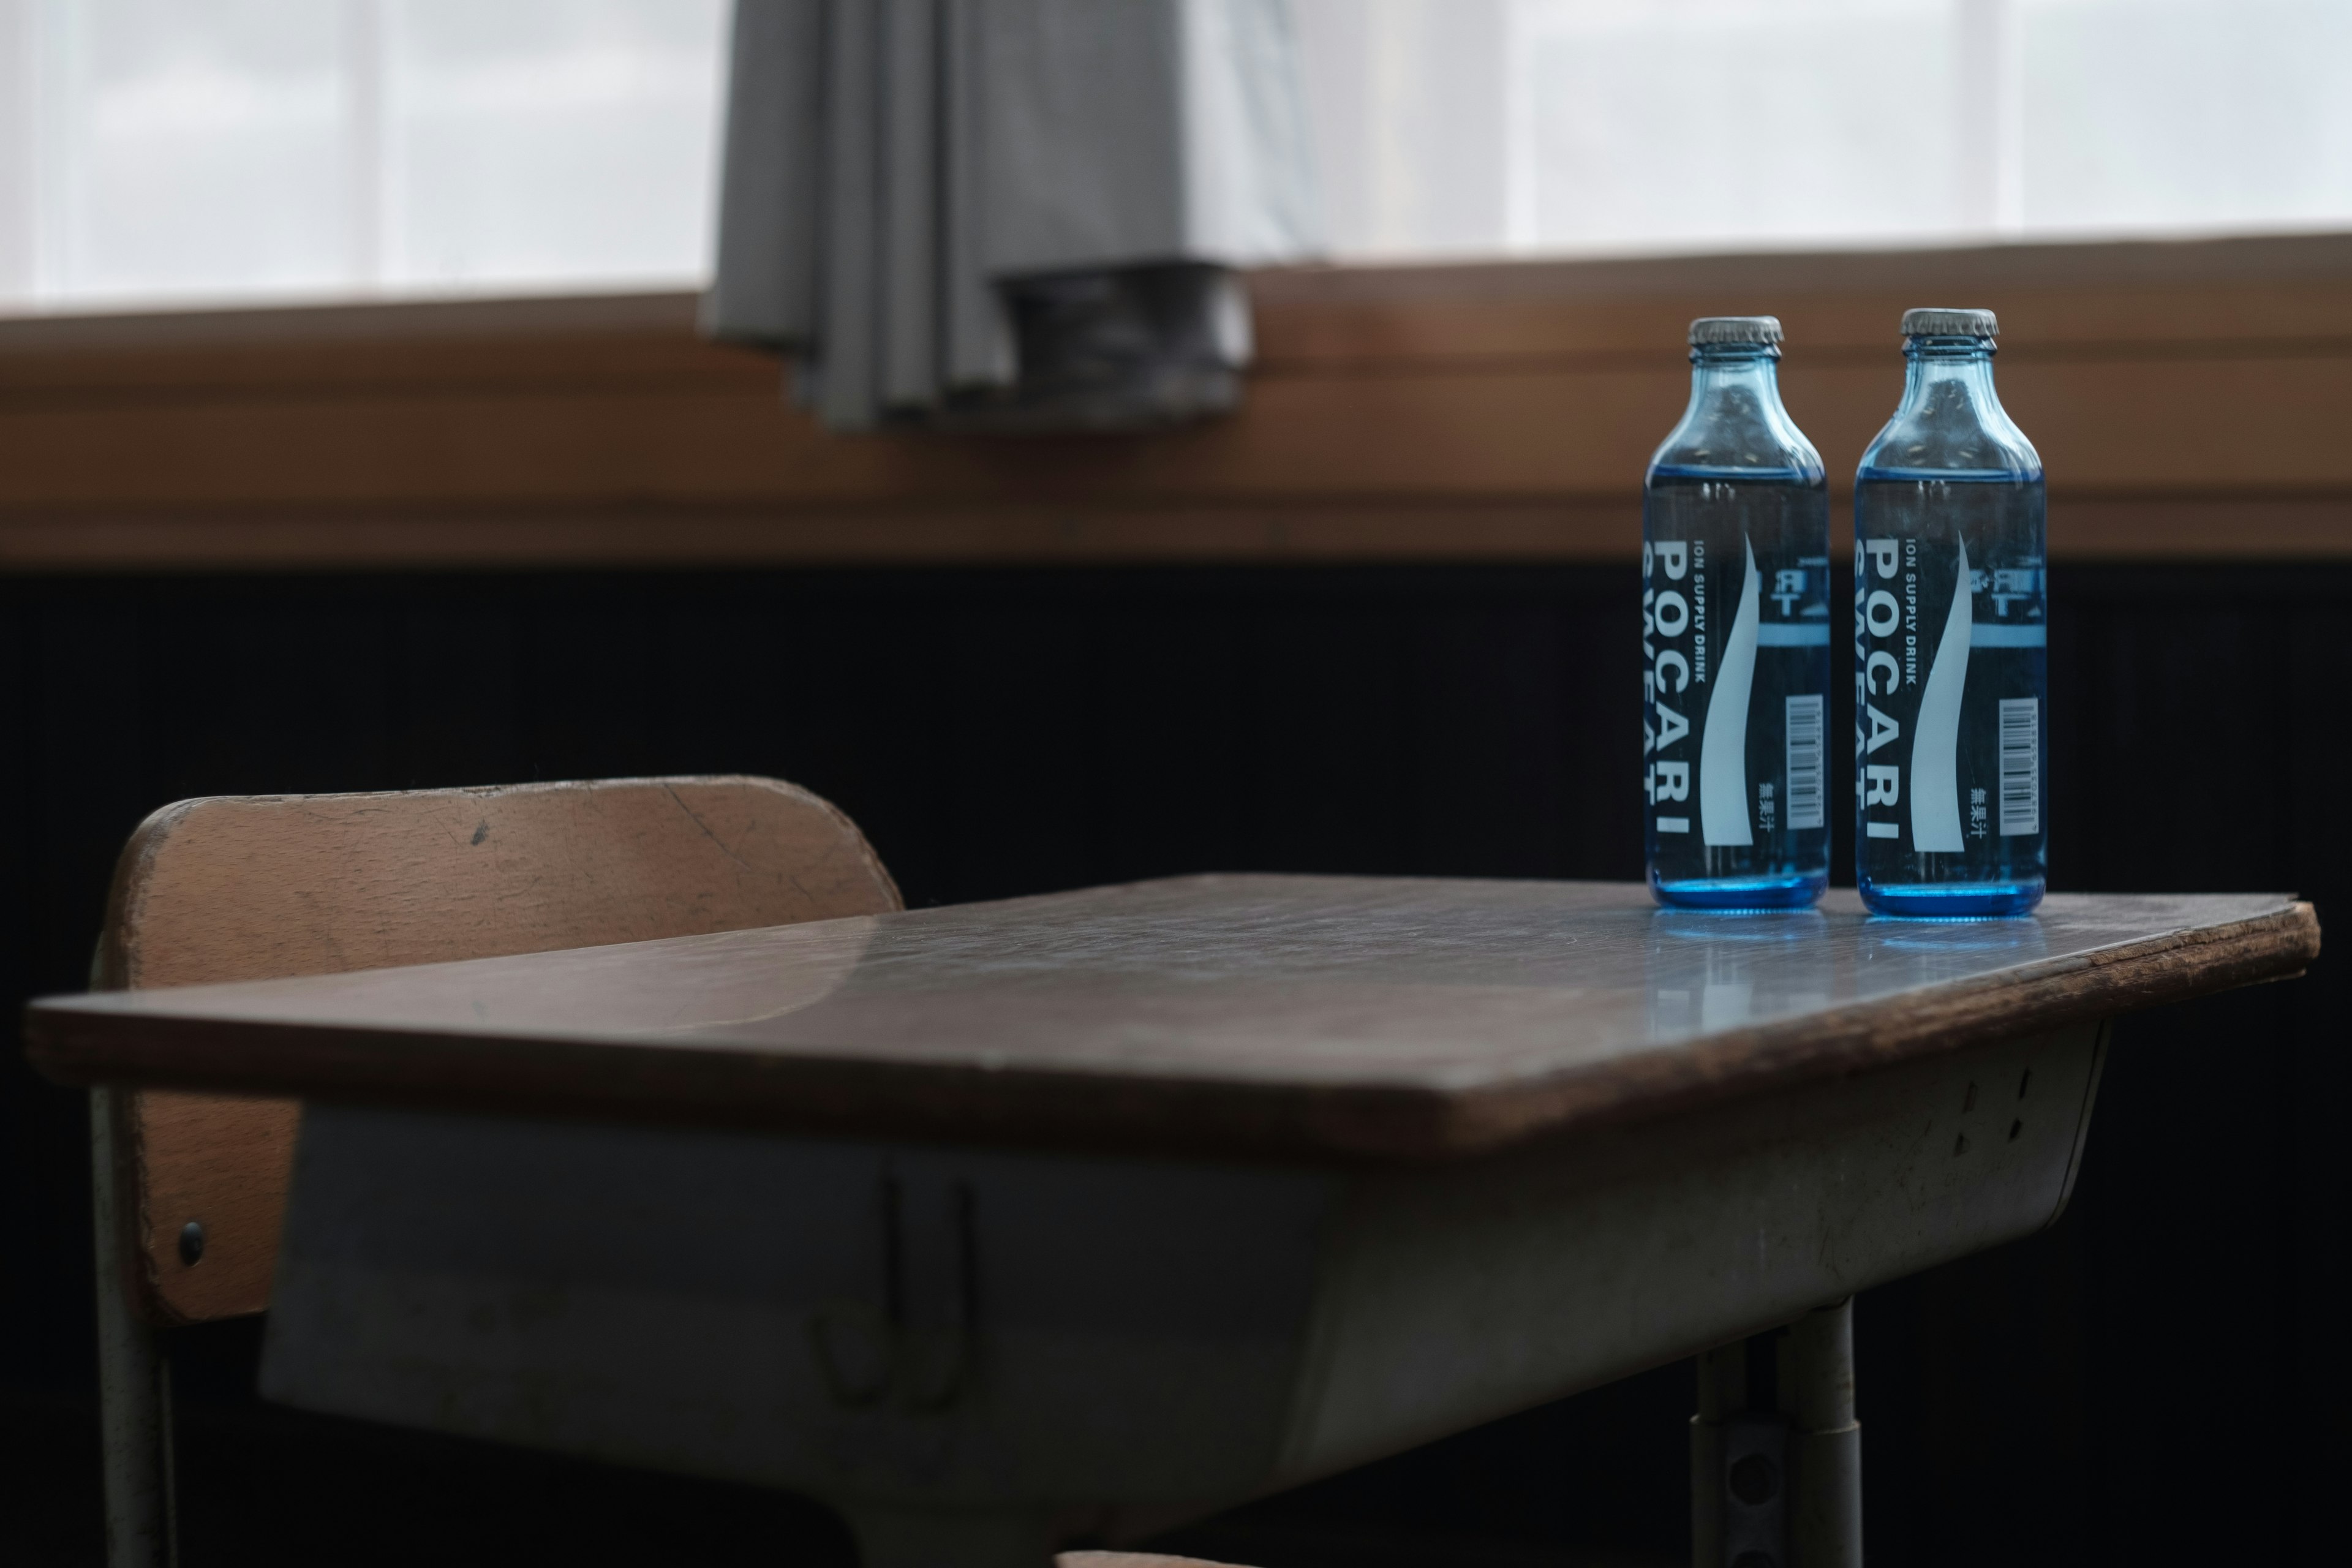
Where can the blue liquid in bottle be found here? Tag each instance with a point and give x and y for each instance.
(1736, 637)
(1951, 634)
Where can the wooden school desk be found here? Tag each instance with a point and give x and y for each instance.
(1002, 1224)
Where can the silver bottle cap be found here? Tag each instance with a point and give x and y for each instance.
(1735, 329)
(1942, 322)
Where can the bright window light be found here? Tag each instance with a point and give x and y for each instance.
(187, 151)
(171, 151)
(1472, 127)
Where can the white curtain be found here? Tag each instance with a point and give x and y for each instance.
(1008, 213)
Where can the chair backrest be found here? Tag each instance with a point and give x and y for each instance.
(262, 887)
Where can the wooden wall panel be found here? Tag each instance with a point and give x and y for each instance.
(2184, 396)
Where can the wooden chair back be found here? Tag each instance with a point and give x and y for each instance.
(265, 886)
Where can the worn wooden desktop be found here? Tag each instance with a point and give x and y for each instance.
(1002, 1223)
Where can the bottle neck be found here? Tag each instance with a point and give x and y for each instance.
(1735, 423)
(1754, 367)
(1945, 370)
(1951, 420)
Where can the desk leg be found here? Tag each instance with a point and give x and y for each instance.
(1776, 1453)
(1824, 1439)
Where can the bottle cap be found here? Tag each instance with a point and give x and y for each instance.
(1942, 322)
(1735, 329)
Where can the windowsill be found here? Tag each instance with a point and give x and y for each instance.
(2185, 397)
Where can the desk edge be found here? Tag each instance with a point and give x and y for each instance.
(829, 1096)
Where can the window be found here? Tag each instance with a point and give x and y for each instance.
(160, 150)
(1581, 126)
(157, 151)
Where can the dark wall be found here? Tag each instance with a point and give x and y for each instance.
(2158, 1377)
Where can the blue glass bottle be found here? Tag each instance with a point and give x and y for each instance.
(1951, 639)
(1736, 637)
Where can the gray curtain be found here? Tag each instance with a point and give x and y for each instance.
(1021, 213)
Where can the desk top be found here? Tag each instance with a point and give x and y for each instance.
(1309, 1017)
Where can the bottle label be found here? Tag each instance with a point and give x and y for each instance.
(1950, 637)
(1736, 650)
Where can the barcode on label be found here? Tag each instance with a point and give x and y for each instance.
(1804, 724)
(2021, 766)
